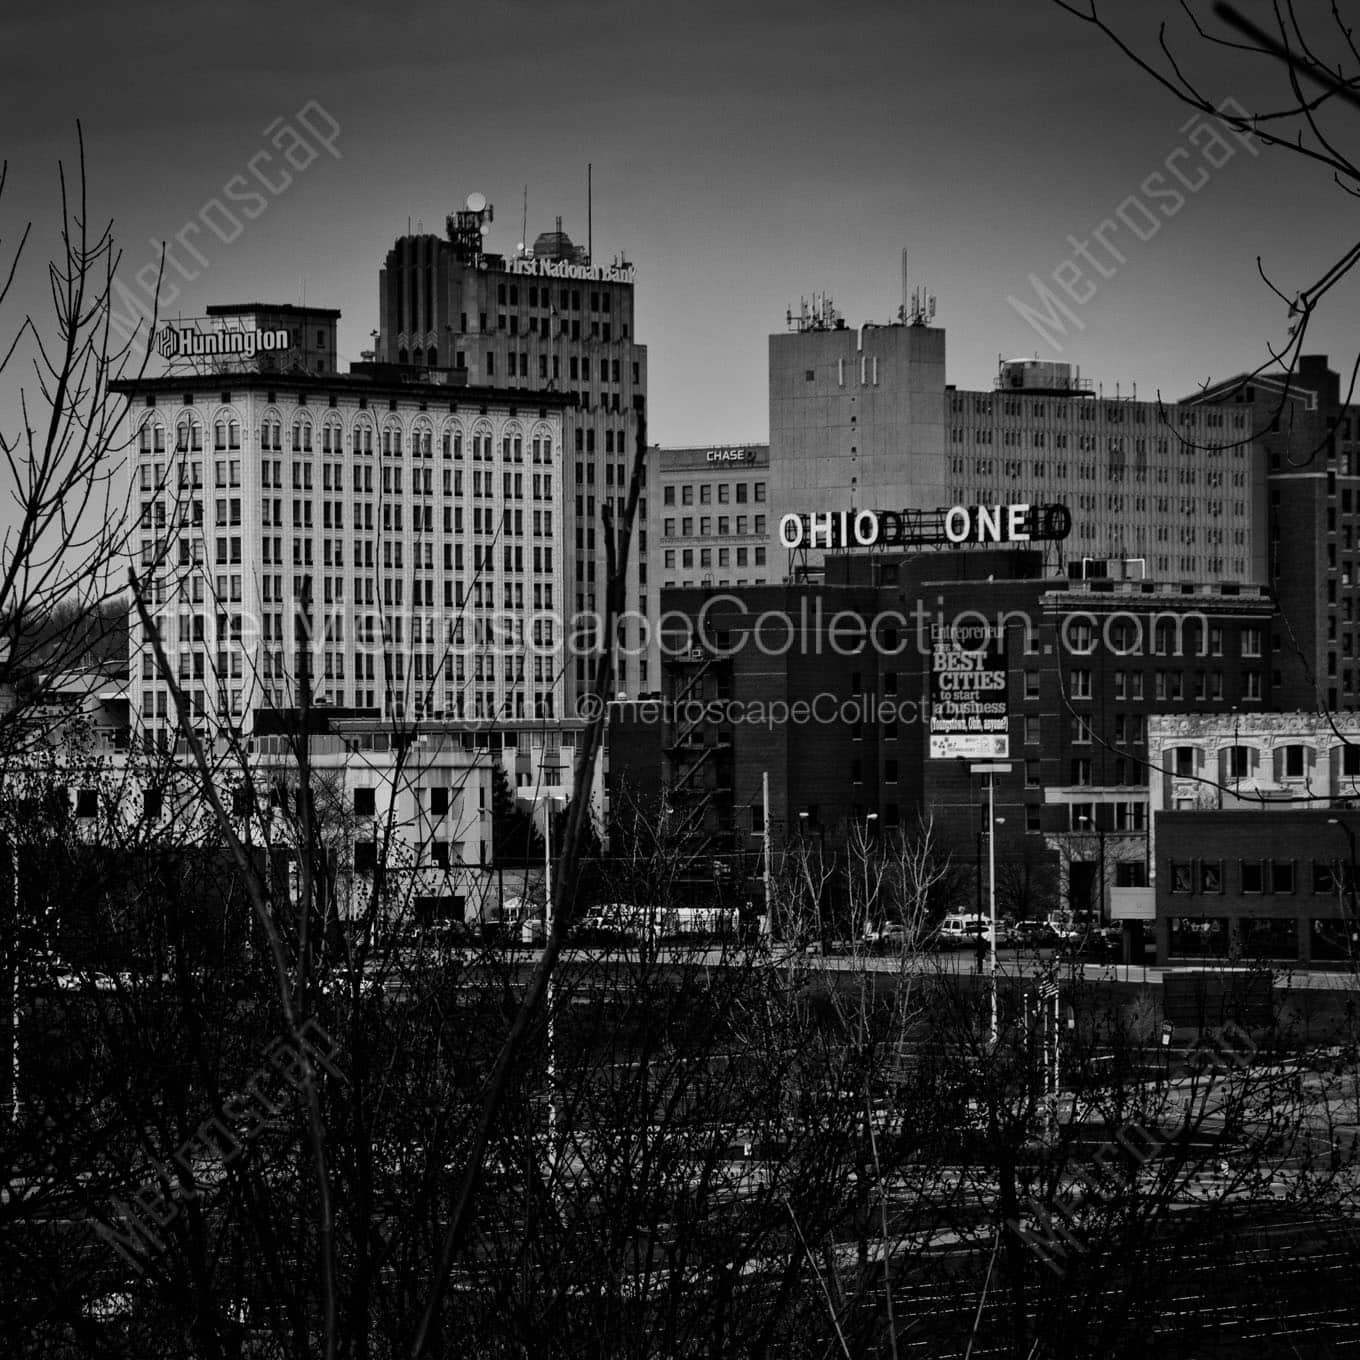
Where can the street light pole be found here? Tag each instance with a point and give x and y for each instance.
(991, 769)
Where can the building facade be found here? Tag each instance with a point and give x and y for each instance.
(383, 542)
(546, 318)
(864, 419)
(1253, 836)
(825, 687)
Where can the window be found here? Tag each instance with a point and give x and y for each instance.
(1081, 771)
(1080, 683)
(439, 802)
(1182, 876)
(1251, 642)
(1253, 876)
(1031, 731)
(364, 804)
(1211, 876)
(1031, 684)
(87, 802)
(1282, 876)
(1293, 762)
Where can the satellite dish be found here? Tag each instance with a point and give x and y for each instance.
(476, 202)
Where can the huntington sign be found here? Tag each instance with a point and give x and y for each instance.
(183, 342)
(955, 524)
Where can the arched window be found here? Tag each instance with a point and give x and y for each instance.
(481, 440)
(302, 436)
(363, 437)
(542, 444)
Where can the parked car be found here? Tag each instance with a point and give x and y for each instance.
(888, 938)
(964, 932)
(1034, 935)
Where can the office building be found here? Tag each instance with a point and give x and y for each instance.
(386, 542)
(543, 318)
(864, 419)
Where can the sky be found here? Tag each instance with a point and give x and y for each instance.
(745, 155)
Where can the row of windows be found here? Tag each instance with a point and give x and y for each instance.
(363, 438)
(725, 557)
(756, 526)
(706, 492)
(1113, 413)
(1256, 876)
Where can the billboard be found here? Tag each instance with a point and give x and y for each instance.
(969, 715)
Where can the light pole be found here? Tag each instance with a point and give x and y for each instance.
(1354, 922)
(991, 769)
(1092, 824)
(548, 800)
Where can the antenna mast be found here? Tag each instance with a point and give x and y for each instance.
(590, 216)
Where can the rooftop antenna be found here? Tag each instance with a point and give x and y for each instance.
(524, 224)
(590, 214)
(906, 300)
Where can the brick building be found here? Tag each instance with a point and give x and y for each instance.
(1253, 835)
(1088, 663)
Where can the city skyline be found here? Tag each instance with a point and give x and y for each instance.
(741, 162)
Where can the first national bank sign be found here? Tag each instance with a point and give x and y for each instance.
(1021, 523)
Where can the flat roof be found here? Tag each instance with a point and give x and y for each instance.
(346, 383)
(284, 308)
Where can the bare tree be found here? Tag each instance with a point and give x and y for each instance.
(64, 459)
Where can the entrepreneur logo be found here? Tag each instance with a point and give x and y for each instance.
(175, 343)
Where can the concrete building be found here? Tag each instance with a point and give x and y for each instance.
(707, 526)
(545, 317)
(389, 540)
(864, 419)
(1253, 849)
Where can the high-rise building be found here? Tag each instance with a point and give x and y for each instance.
(863, 419)
(547, 317)
(388, 540)
(1308, 442)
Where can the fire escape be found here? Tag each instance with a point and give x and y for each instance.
(698, 747)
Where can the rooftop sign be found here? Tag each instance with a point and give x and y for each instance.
(1022, 523)
(563, 269)
(192, 342)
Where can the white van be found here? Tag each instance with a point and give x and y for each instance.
(964, 931)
